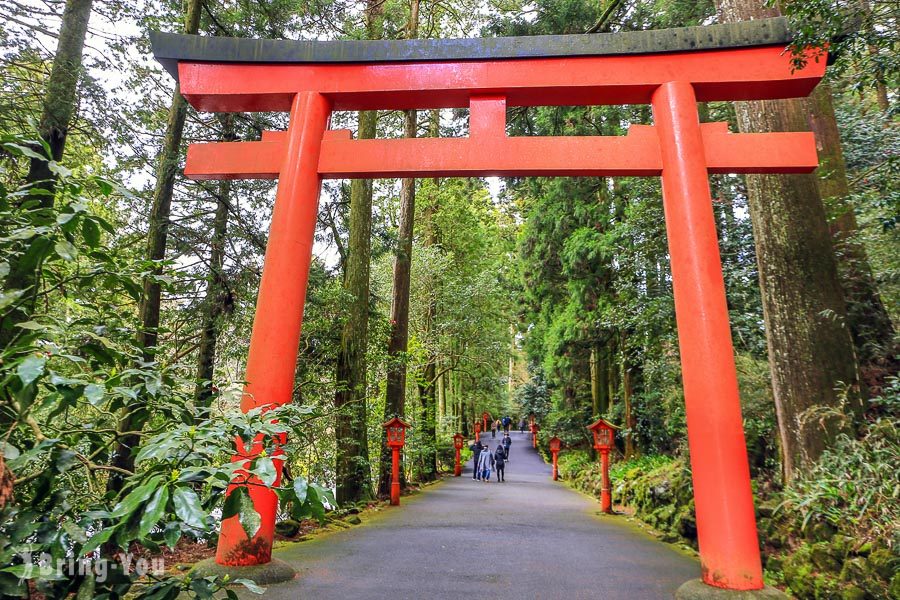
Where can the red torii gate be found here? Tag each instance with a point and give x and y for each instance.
(670, 69)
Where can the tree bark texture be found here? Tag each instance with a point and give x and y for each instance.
(811, 354)
(870, 325)
(60, 101)
(134, 415)
(397, 344)
(61, 98)
(353, 470)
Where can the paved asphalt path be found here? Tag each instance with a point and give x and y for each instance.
(528, 538)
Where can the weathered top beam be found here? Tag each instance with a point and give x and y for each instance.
(169, 48)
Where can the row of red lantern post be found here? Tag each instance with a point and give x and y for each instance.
(604, 440)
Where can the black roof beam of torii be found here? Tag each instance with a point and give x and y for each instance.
(170, 49)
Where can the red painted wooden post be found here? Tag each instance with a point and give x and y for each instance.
(279, 310)
(554, 450)
(605, 490)
(396, 437)
(477, 430)
(726, 525)
(457, 445)
(395, 476)
(604, 441)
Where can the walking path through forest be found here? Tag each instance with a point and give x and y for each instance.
(526, 538)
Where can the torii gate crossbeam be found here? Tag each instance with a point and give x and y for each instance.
(670, 69)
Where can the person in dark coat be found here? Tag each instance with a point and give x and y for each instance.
(476, 449)
(506, 423)
(521, 425)
(505, 444)
(500, 462)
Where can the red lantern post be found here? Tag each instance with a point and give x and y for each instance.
(604, 439)
(554, 450)
(531, 420)
(534, 432)
(457, 445)
(485, 417)
(396, 437)
(477, 430)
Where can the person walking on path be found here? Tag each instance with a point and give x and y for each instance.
(476, 449)
(487, 462)
(506, 423)
(506, 443)
(522, 425)
(494, 429)
(500, 462)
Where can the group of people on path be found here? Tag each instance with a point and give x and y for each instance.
(505, 423)
(487, 460)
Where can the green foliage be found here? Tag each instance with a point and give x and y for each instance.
(66, 374)
(853, 488)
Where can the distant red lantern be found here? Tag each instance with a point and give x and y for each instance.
(485, 417)
(477, 430)
(554, 450)
(396, 437)
(535, 428)
(457, 445)
(604, 441)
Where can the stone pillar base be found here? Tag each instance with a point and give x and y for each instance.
(275, 571)
(695, 589)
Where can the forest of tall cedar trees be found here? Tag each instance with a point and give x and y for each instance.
(129, 293)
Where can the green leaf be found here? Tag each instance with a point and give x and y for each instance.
(249, 518)
(8, 298)
(154, 511)
(24, 151)
(250, 585)
(31, 368)
(172, 534)
(233, 502)
(265, 470)
(133, 500)
(94, 393)
(32, 325)
(300, 488)
(65, 250)
(59, 170)
(97, 540)
(91, 233)
(239, 503)
(188, 508)
(8, 451)
(75, 532)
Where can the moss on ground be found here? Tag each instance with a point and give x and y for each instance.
(819, 563)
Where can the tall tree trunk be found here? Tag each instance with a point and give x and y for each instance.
(352, 469)
(427, 376)
(870, 325)
(60, 101)
(599, 383)
(395, 394)
(134, 415)
(353, 472)
(60, 97)
(811, 354)
(441, 395)
(629, 416)
(217, 299)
